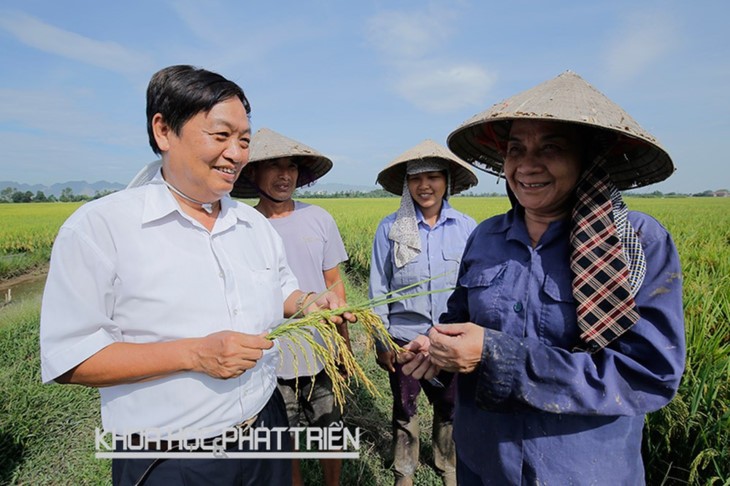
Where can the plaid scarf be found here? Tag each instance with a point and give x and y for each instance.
(607, 262)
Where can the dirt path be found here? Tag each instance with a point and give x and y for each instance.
(31, 276)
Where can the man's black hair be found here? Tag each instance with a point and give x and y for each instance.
(180, 92)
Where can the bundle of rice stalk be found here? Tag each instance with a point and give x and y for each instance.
(298, 332)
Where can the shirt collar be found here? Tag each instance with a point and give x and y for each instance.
(447, 212)
(514, 225)
(502, 224)
(159, 202)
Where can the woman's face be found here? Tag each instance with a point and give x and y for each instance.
(542, 166)
(427, 189)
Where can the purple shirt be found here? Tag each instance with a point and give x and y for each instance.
(313, 245)
(534, 411)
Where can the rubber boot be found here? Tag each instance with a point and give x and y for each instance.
(444, 450)
(405, 450)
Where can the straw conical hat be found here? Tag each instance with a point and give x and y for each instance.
(462, 176)
(266, 144)
(636, 159)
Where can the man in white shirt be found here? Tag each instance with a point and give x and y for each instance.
(161, 295)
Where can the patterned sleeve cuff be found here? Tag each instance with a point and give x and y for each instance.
(501, 356)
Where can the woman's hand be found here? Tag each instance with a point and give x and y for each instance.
(456, 347)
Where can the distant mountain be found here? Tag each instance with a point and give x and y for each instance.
(333, 187)
(77, 187)
(90, 188)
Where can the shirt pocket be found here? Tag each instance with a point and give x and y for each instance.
(452, 260)
(558, 318)
(485, 286)
(265, 293)
(405, 275)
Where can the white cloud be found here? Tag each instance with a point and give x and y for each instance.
(414, 46)
(227, 39)
(48, 38)
(444, 87)
(53, 113)
(643, 39)
(210, 22)
(407, 35)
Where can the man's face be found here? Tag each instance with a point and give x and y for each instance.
(542, 165)
(277, 177)
(206, 158)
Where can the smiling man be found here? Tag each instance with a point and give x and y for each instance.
(161, 295)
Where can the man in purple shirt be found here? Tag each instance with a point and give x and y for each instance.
(314, 250)
(570, 305)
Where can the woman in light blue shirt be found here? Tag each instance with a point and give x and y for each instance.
(420, 244)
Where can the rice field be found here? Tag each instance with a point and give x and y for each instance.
(687, 442)
(27, 233)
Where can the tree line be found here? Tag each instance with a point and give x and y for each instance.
(374, 194)
(10, 195)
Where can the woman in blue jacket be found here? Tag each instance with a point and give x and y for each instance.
(569, 307)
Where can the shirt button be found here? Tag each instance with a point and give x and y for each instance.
(235, 312)
(517, 307)
(220, 275)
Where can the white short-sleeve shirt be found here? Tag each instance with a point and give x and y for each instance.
(132, 267)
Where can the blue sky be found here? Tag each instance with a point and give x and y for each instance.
(359, 81)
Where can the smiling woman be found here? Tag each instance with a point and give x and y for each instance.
(566, 326)
(419, 246)
(542, 164)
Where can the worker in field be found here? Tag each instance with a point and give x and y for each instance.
(567, 317)
(314, 249)
(161, 296)
(420, 247)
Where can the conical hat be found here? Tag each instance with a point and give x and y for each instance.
(635, 159)
(462, 176)
(266, 144)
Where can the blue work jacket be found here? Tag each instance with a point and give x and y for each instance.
(535, 411)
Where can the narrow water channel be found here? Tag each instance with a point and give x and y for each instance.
(27, 288)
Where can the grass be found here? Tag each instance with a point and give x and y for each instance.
(46, 432)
